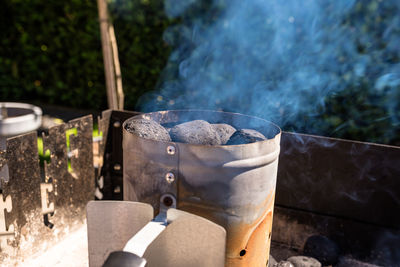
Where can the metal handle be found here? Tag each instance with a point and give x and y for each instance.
(137, 245)
(254, 162)
(124, 259)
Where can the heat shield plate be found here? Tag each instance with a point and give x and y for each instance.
(188, 240)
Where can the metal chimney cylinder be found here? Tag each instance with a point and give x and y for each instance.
(233, 186)
(17, 118)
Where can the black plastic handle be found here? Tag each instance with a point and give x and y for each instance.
(124, 259)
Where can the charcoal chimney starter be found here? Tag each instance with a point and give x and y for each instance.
(231, 185)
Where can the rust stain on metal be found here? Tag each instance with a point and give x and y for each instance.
(249, 244)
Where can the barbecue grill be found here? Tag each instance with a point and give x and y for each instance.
(344, 190)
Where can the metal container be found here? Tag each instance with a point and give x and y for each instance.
(233, 186)
(15, 119)
(18, 118)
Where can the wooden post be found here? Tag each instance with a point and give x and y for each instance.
(120, 92)
(107, 55)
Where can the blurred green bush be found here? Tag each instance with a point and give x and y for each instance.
(51, 51)
(139, 27)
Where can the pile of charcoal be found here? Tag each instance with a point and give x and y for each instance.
(318, 251)
(294, 261)
(304, 261)
(197, 132)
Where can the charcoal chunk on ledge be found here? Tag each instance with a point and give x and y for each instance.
(148, 129)
(271, 261)
(245, 136)
(197, 132)
(303, 261)
(224, 131)
(283, 264)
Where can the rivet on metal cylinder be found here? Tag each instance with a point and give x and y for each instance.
(167, 201)
(117, 190)
(117, 124)
(170, 177)
(171, 150)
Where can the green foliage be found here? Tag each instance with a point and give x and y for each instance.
(139, 27)
(51, 50)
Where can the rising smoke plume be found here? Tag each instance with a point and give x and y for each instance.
(286, 61)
